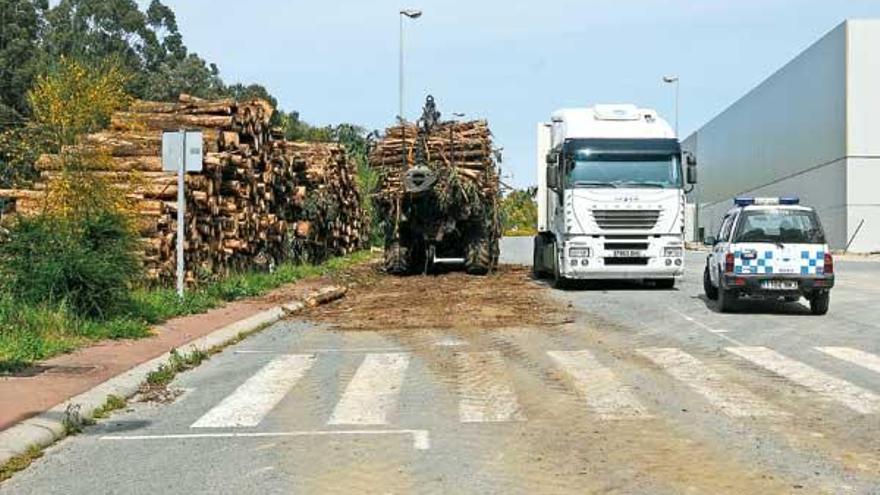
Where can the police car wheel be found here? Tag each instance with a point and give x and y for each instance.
(710, 290)
(726, 299)
(820, 303)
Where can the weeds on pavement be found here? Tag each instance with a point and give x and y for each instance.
(20, 462)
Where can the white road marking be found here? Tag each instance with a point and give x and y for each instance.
(854, 356)
(253, 399)
(718, 332)
(322, 350)
(450, 342)
(485, 391)
(842, 391)
(732, 399)
(372, 394)
(421, 438)
(603, 392)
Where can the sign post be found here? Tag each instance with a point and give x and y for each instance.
(181, 153)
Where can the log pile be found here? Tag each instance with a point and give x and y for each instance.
(257, 201)
(463, 149)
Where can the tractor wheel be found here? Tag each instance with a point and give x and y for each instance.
(478, 259)
(397, 260)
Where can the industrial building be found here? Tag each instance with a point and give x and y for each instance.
(811, 130)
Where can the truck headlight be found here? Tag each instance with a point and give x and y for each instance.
(579, 252)
(672, 252)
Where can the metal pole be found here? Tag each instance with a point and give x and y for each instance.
(400, 74)
(677, 82)
(181, 205)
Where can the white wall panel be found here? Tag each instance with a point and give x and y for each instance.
(863, 81)
(863, 203)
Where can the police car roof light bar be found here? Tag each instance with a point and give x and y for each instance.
(791, 200)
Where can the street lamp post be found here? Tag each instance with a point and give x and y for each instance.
(412, 14)
(671, 80)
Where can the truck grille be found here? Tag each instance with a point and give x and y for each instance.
(626, 219)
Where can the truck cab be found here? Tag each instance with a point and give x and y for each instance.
(611, 181)
(769, 248)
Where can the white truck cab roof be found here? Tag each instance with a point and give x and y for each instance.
(608, 121)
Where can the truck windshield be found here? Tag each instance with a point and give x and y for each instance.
(596, 169)
(779, 226)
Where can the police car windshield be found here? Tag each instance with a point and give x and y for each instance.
(779, 226)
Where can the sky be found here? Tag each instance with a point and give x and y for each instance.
(511, 62)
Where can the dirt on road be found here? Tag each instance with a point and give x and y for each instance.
(454, 300)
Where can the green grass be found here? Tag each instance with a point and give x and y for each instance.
(178, 363)
(31, 333)
(19, 462)
(113, 403)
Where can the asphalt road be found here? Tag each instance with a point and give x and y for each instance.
(640, 391)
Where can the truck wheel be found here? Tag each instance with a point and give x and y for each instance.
(665, 283)
(538, 270)
(820, 303)
(478, 260)
(710, 290)
(726, 299)
(396, 259)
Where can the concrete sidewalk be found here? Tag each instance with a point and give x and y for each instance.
(40, 387)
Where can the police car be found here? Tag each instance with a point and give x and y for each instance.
(769, 248)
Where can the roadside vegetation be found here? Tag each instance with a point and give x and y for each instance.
(519, 212)
(31, 332)
(70, 272)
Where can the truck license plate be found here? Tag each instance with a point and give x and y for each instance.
(779, 285)
(629, 253)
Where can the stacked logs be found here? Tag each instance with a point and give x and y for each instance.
(462, 148)
(257, 201)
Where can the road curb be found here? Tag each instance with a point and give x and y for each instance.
(49, 426)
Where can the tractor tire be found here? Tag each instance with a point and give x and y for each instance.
(478, 259)
(397, 259)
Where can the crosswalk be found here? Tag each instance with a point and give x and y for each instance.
(487, 392)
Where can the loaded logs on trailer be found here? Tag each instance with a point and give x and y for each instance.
(257, 201)
(438, 193)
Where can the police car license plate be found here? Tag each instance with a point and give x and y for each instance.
(779, 285)
(628, 253)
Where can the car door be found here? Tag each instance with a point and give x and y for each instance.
(720, 248)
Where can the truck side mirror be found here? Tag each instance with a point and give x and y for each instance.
(710, 240)
(552, 181)
(691, 162)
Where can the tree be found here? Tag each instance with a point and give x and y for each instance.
(191, 75)
(75, 98)
(22, 22)
(147, 44)
(519, 212)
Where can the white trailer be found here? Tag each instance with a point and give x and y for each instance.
(610, 196)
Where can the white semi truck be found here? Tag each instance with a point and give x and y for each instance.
(611, 196)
